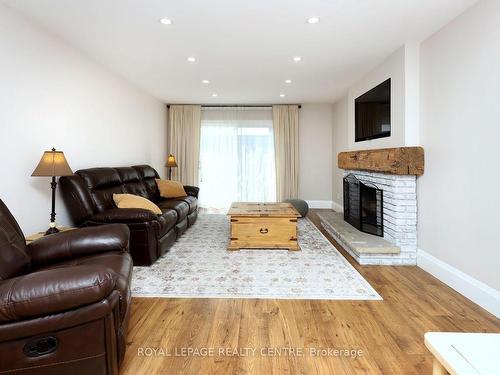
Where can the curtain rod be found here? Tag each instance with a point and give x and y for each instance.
(238, 106)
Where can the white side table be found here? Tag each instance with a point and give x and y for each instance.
(464, 353)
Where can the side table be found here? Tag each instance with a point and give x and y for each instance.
(38, 235)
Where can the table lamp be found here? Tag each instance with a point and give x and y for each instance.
(52, 164)
(171, 163)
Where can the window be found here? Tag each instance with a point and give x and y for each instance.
(236, 156)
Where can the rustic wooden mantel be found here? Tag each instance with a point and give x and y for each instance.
(399, 161)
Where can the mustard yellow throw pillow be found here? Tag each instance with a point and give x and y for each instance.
(170, 189)
(135, 201)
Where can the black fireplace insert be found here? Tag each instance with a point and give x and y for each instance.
(363, 206)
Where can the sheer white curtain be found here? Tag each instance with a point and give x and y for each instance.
(237, 160)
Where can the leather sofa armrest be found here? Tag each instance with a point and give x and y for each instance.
(79, 242)
(192, 190)
(123, 215)
(55, 290)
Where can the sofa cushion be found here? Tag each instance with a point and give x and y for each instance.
(102, 183)
(148, 176)
(77, 198)
(78, 243)
(122, 215)
(118, 262)
(181, 207)
(14, 260)
(135, 201)
(192, 218)
(132, 182)
(170, 189)
(192, 190)
(165, 222)
(192, 201)
(47, 292)
(181, 227)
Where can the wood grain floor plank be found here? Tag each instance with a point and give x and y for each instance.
(389, 332)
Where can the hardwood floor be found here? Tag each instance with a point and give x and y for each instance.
(389, 333)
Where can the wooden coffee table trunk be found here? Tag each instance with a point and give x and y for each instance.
(263, 226)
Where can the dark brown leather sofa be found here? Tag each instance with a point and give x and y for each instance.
(64, 300)
(88, 195)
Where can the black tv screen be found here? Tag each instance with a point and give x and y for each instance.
(373, 113)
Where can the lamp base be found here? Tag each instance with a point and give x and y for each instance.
(51, 230)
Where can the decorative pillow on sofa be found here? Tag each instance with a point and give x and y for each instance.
(170, 189)
(135, 201)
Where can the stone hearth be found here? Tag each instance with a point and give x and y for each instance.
(365, 248)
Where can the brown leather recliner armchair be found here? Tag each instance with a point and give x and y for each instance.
(64, 300)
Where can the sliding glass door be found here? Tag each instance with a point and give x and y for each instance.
(236, 156)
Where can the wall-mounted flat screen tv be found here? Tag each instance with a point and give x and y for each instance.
(373, 113)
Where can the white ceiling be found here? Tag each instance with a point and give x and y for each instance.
(244, 47)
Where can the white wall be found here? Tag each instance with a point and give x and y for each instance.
(459, 200)
(315, 153)
(393, 68)
(52, 95)
(402, 67)
(412, 95)
(339, 133)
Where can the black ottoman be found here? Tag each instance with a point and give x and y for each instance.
(300, 205)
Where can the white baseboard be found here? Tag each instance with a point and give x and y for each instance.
(319, 204)
(337, 207)
(475, 290)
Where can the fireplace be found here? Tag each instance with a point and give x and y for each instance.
(363, 206)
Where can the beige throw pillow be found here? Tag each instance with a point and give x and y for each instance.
(170, 189)
(135, 201)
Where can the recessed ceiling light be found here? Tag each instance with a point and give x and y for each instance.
(297, 58)
(288, 81)
(205, 81)
(165, 21)
(191, 59)
(282, 95)
(313, 20)
(214, 95)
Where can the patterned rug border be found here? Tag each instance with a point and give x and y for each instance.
(226, 295)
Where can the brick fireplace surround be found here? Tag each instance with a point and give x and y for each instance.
(395, 171)
(400, 213)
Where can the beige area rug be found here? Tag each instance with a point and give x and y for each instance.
(199, 266)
